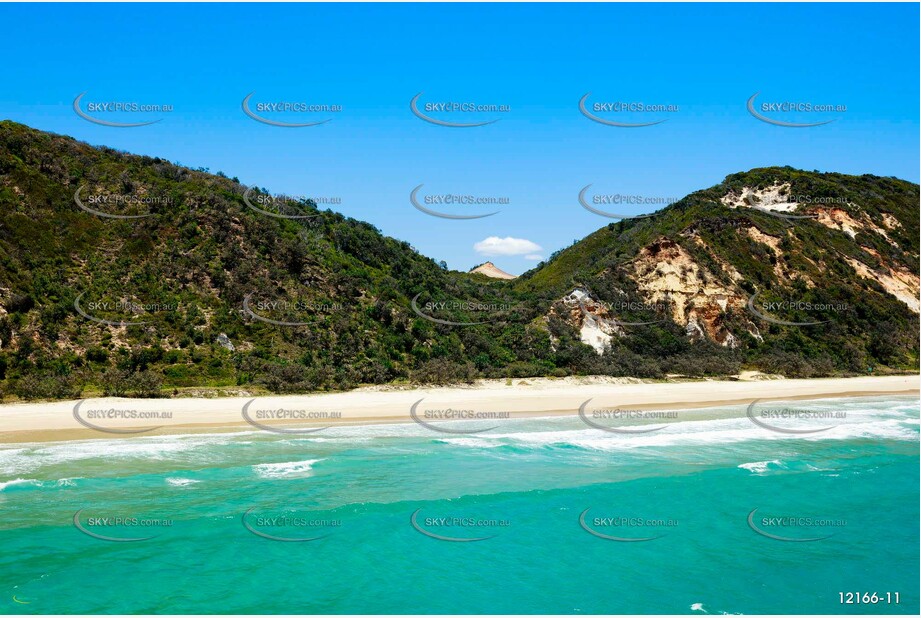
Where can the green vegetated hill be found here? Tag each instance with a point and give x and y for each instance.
(198, 284)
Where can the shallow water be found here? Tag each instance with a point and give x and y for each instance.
(690, 487)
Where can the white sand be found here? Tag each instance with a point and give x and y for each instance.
(49, 421)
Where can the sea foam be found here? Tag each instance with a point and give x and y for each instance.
(284, 470)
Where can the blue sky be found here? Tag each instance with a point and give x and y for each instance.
(538, 60)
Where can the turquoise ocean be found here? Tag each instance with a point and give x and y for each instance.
(711, 514)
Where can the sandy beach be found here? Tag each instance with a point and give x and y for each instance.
(118, 417)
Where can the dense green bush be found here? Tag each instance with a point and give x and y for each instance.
(190, 266)
(444, 371)
(33, 386)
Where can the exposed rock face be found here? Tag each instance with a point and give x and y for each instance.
(667, 274)
(776, 198)
(899, 282)
(842, 220)
(774, 243)
(595, 323)
(224, 341)
(699, 298)
(838, 219)
(890, 222)
(491, 270)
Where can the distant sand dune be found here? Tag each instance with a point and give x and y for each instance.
(491, 270)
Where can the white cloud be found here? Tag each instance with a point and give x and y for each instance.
(534, 257)
(507, 246)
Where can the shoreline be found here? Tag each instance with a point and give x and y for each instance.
(522, 398)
